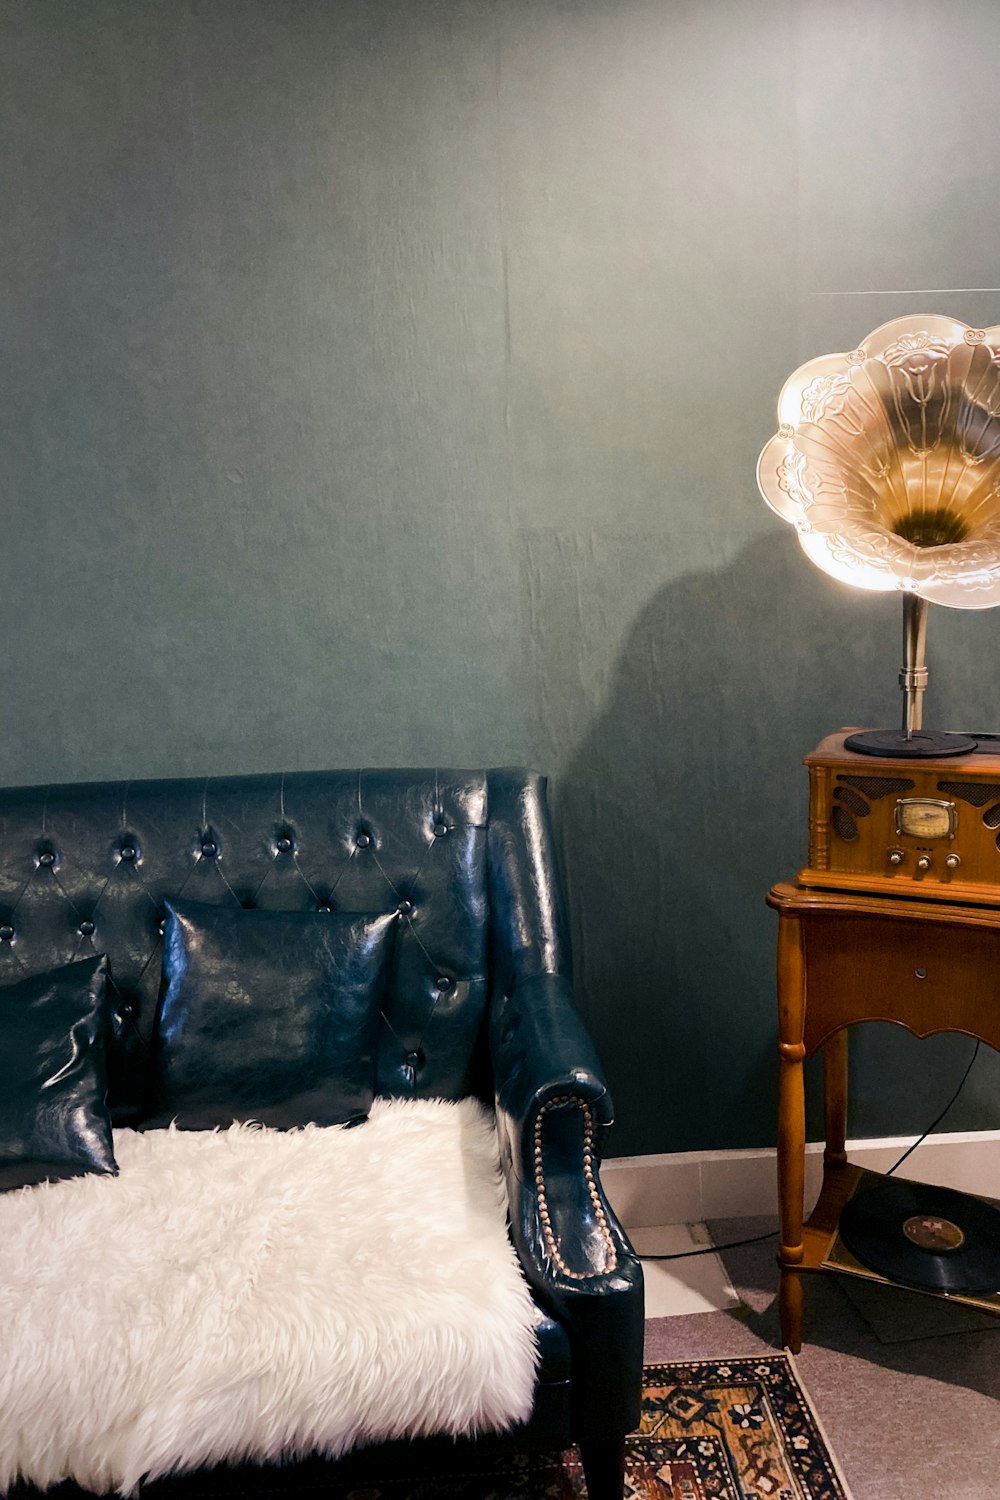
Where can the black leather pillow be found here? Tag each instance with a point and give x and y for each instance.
(54, 1120)
(268, 1016)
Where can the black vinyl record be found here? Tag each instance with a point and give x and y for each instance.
(932, 1238)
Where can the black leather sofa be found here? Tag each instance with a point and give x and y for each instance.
(479, 1002)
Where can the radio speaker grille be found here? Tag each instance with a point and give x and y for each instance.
(976, 793)
(844, 825)
(854, 804)
(876, 787)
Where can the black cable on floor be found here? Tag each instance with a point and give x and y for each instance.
(709, 1249)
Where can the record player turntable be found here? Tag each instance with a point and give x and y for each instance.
(887, 463)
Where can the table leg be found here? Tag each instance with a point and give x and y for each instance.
(791, 1125)
(835, 1098)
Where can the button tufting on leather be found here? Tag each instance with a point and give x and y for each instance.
(414, 1059)
(126, 1010)
(306, 865)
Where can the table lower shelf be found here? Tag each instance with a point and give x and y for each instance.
(819, 1239)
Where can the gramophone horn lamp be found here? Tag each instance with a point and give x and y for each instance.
(887, 463)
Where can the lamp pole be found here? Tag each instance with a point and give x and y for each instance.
(913, 672)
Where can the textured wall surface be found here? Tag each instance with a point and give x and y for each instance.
(382, 382)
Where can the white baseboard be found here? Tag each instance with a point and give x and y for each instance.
(691, 1186)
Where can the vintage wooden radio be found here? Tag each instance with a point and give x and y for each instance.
(905, 827)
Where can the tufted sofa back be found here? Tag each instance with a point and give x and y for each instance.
(85, 869)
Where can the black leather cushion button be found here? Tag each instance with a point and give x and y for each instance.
(363, 840)
(209, 850)
(444, 984)
(128, 852)
(413, 1059)
(46, 857)
(54, 1121)
(267, 1015)
(86, 929)
(284, 846)
(6, 932)
(324, 907)
(404, 908)
(440, 829)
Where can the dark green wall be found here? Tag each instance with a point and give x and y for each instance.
(383, 382)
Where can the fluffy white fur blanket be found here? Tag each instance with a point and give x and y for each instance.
(254, 1294)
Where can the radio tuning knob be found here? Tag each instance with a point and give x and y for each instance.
(896, 856)
(924, 862)
(952, 861)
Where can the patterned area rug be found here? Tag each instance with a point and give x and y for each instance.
(739, 1429)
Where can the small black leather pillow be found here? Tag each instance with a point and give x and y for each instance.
(54, 1120)
(267, 1015)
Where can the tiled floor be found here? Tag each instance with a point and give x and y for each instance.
(674, 1288)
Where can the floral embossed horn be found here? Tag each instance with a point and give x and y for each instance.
(887, 463)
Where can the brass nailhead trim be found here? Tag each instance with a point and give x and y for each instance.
(564, 1101)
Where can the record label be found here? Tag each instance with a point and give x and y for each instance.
(933, 1234)
(931, 1238)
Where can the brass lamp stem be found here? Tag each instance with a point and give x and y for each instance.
(913, 673)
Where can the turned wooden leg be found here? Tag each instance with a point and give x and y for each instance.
(791, 1125)
(604, 1469)
(835, 1098)
(791, 1308)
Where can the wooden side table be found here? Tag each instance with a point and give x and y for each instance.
(844, 958)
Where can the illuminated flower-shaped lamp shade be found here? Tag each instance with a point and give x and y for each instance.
(887, 463)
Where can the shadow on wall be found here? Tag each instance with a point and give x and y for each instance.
(680, 807)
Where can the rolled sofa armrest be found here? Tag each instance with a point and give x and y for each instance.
(540, 1052)
(553, 1110)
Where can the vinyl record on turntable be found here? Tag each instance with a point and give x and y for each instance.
(931, 1238)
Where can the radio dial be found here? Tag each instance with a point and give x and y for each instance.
(924, 862)
(896, 856)
(926, 818)
(952, 861)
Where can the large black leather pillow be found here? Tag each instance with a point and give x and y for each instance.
(54, 1120)
(267, 1015)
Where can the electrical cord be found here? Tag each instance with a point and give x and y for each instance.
(710, 1249)
(934, 1123)
(758, 1239)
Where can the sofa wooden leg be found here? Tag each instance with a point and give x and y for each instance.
(604, 1469)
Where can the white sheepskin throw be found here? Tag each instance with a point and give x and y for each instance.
(257, 1294)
